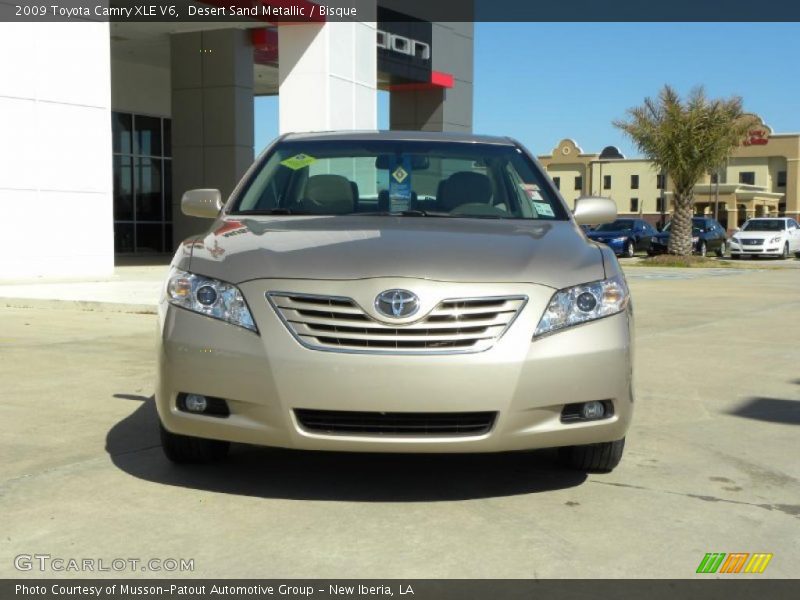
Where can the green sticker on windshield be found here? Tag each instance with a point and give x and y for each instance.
(543, 209)
(298, 161)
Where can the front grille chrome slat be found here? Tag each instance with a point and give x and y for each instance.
(336, 323)
(397, 424)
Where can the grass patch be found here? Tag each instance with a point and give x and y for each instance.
(683, 262)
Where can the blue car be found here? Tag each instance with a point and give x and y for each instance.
(624, 236)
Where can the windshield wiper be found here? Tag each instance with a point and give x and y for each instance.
(402, 213)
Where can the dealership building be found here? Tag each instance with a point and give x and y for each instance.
(104, 125)
(761, 178)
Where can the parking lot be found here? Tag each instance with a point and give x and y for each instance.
(711, 463)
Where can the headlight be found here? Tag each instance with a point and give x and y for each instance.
(695, 239)
(735, 240)
(582, 303)
(209, 297)
(619, 240)
(776, 239)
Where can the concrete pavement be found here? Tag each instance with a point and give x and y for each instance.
(711, 462)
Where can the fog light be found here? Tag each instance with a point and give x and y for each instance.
(593, 410)
(195, 403)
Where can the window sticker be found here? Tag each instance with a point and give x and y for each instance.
(543, 209)
(532, 191)
(399, 183)
(298, 161)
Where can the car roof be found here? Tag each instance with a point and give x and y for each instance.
(400, 136)
(768, 218)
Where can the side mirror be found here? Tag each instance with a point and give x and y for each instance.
(736, 230)
(205, 204)
(594, 210)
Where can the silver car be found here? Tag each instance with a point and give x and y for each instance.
(395, 292)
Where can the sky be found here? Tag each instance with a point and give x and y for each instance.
(542, 82)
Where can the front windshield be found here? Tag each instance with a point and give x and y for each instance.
(618, 225)
(765, 225)
(410, 178)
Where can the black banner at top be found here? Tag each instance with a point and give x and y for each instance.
(320, 11)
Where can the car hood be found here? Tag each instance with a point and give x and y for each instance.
(758, 235)
(238, 249)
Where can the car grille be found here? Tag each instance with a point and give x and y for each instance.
(751, 242)
(338, 323)
(398, 423)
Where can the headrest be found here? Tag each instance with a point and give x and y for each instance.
(328, 194)
(465, 187)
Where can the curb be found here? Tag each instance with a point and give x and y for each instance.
(86, 305)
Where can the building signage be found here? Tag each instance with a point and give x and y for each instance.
(757, 137)
(405, 48)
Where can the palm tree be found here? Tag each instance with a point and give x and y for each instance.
(686, 139)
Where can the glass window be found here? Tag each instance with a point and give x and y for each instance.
(557, 182)
(167, 137)
(634, 205)
(659, 205)
(123, 188)
(142, 183)
(660, 182)
(386, 177)
(747, 177)
(579, 183)
(147, 136)
(634, 182)
(149, 237)
(121, 130)
(606, 182)
(781, 179)
(123, 238)
(149, 200)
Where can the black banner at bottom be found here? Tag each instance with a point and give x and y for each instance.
(407, 589)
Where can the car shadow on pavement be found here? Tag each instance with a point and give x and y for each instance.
(772, 410)
(134, 447)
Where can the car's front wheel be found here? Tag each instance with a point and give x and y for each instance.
(785, 255)
(596, 458)
(186, 449)
(721, 250)
(703, 249)
(630, 249)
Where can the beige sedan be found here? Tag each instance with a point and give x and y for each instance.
(395, 292)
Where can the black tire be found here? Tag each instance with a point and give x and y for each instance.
(721, 250)
(630, 249)
(595, 458)
(183, 449)
(702, 250)
(785, 255)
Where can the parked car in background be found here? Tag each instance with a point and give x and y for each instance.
(707, 236)
(767, 236)
(624, 236)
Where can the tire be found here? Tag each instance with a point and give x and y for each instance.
(736, 256)
(703, 250)
(630, 249)
(721, 250)
(184, 449)
(785, 255)
(594, 458)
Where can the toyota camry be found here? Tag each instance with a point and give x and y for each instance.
(395, 292)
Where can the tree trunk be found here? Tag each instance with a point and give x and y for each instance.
(680, 231)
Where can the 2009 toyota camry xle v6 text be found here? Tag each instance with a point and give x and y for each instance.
(395, 292)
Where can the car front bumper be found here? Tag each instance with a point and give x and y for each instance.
(755, 250)
(265, 377)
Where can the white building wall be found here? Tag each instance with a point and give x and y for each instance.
(328, 76)
(55, 150)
